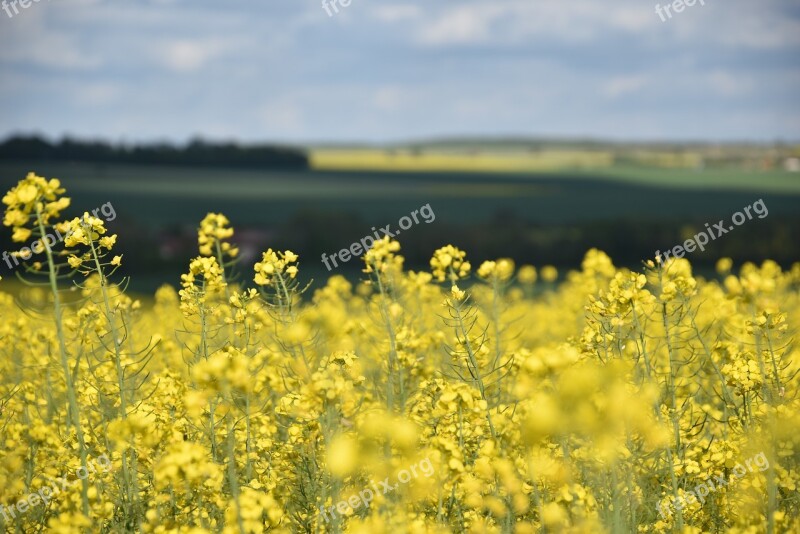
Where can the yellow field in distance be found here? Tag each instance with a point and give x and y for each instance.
(432, 161)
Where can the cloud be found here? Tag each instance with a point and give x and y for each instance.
(728, 84)
(31, 40)
(396, 12)
(283, 116)
(624, 85)
(461, 25)
(187, 55)
(734, 23)
(515, 21)
(760, 29)
(389, 98)
(98, 94)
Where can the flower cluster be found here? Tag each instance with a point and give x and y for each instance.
(203, 280)
(90, 232)
(275, 265)
(31, 195)
(501, 270)
(449, 263)
(382, 257)
(213, 235)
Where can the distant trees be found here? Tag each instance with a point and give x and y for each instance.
(198, 152)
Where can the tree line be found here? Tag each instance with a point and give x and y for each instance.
(34, 149)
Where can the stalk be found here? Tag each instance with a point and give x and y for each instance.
(473, 362)
(218, 249)
(213, 406)
(769, 398)
(128, 478)
(72, 397)
(232, 480)
(393, 360)
(676, 429)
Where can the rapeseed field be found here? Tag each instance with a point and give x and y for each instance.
(476, 396)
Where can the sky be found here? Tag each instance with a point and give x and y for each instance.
(392, 71)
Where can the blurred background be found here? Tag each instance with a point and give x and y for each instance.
(534, 129)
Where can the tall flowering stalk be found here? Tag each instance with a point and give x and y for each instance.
(90, 248)
(32, 207)
(385, 266)
(498, 276)
(214, 240)
(276, 277)
(199, 290)
(449, 263)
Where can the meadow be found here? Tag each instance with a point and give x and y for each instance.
(474, 395)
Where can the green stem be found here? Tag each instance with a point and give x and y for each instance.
(72, 397)
(232, 477)
(127, 475)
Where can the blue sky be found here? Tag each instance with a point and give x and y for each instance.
(384, 70)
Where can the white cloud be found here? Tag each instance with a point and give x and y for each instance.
(98, 94)
(187, 55)
(624, 85)
(462, 25)
(517, 21)
(633, 20)
(728, 84)
(30, 39)
(734, 23)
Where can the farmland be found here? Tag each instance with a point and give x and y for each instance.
(469, 396)
(554, 216)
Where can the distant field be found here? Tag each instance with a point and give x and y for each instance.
(544, 217)
(662, 169)
(165, 195)
(406, 160)
(732, 180)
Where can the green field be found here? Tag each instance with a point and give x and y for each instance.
(549, 217)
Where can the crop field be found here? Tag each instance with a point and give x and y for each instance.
(169, 195)
(405, 160)
(555, 216)
(474, 395)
